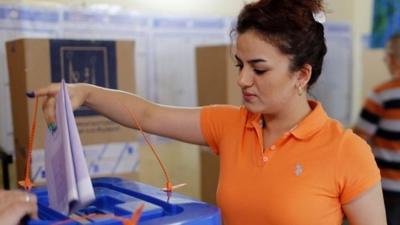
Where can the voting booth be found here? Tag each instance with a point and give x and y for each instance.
(116, 197)
(216, 84)
(35, 63)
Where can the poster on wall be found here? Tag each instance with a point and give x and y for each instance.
(386, 21)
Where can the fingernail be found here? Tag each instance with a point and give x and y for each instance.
(52, 127)
(30, 94)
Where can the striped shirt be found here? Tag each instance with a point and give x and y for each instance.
(379, 123)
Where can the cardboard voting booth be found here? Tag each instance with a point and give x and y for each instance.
(216, 84)
(35, 63)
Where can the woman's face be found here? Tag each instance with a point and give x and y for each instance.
(264, 76)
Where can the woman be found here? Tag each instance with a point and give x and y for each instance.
(282, 159)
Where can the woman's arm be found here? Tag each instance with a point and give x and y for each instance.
(173, 122)
(367, 209)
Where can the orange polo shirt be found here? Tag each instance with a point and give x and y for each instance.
(302, 179)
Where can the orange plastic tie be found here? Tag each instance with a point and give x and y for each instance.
(135, 216)
(27, 183)
(168, 184)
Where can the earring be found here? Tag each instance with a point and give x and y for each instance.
(299, 90)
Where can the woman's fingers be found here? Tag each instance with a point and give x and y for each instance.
(18, 196)
(50, 90)
(16, 211)
(49, 93)
(14, 205)
(49, 109)
(31, 204)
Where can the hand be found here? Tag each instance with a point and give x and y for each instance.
(14, 205)
(76, 93)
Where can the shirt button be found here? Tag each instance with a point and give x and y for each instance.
(273, 147)
(265, 158)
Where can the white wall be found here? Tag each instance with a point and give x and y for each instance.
(359, 14)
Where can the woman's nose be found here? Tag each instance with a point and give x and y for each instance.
(245, 79)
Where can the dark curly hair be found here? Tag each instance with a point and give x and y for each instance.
(291, 27)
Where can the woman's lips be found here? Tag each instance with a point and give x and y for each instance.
(248, 96)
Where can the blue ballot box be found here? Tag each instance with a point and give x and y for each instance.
(121, 197)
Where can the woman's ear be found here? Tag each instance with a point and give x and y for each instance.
(304, 75)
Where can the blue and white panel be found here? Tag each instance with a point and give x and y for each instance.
(102, 159)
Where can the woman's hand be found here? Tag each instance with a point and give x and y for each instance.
(77, 93)
(14, 205)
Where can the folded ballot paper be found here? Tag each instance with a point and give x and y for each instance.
(68, 181)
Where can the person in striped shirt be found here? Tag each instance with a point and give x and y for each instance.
(379, 124)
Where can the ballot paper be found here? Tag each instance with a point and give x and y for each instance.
(68, 181)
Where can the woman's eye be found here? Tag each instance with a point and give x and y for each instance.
(240, 66)
(259, 72)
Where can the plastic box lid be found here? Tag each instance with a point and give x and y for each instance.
(121, 198)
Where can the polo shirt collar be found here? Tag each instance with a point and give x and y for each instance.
(253, 120)
(310, 125)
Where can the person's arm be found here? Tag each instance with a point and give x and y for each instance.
(367, 209)
(173, 122)
(14, 205)
(370, 115)
(364, 135)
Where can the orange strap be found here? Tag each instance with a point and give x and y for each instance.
(168, 183)
(27, 183)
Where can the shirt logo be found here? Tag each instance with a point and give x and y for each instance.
(298, 169)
